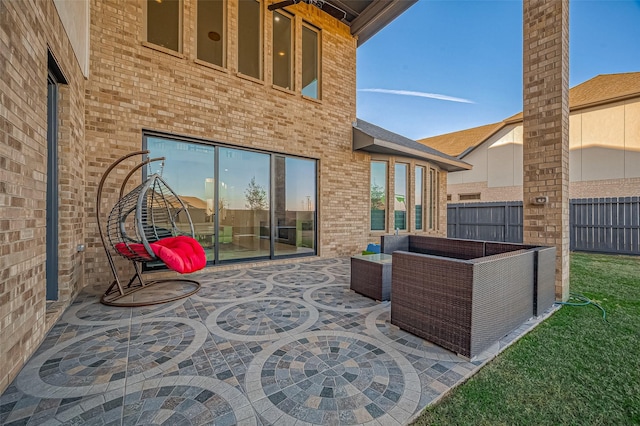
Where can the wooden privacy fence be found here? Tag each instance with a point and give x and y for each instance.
(607, 225)
(496, 221)
(603, 225)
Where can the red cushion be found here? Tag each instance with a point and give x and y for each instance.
(133, 250)
(182, 254)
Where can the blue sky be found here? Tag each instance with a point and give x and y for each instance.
(469, 54)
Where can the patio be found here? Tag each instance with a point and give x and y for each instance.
(269, 344)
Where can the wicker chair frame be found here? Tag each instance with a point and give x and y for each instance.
(144, 215)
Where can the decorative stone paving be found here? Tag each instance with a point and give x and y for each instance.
(332, 378)
(233, 289)
(95, 313)
(275, 344)
(100, 360)
(338, 297)
(339, 269)
(263, 319)
(300, 278)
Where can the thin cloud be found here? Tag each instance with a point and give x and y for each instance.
(418, 94)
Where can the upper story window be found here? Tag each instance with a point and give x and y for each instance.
(310, 62)
(211, 34)
(249, 38)
(282, 51)
(378, 195)
(164, 23)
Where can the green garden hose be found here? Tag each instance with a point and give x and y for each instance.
(581, 300)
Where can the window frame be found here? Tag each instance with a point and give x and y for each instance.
(406, 195)
(471, 196)
(180, 28)
(422, 196)
(306, 25)
(224, 35)
(434, 199)
(385, 202)
(216, 145)
(292, 49)
(261, 55)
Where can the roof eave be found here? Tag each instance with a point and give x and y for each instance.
(606, 101)
(377, 16)
(367, 143)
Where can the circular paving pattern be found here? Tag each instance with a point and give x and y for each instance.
(379, 326)
(95, 312)
(264, 319)
(323, 262)
(92, 362)
(331, 378)
(343, 269)
(276, 268)
(233, 290)
(187, 400)
(338, 297)
(300, 278)
(207, 277)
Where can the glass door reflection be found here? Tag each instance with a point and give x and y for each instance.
(295, 206)
(189, 171)
(243, 204)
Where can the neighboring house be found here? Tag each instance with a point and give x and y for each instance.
(253, 109)
(604, 157)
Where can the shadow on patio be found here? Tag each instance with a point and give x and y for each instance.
(274, 344)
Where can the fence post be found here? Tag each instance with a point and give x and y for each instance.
(506, 222)
(457, 224)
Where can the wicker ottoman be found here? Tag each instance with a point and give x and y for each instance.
(371, 275)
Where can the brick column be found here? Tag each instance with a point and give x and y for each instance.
(546, 130)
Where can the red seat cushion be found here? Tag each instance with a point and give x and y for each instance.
(133, 251)
(182, 254)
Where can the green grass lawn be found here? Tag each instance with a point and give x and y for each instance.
(573, 369)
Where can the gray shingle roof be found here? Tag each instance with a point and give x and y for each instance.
(371, 138)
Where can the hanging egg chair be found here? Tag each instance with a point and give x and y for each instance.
(149, 224)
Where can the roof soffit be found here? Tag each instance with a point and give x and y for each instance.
(367, 17)
(368, 141)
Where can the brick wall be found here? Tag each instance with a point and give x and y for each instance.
(503, 193)
(134, 86)
(546, 130)
(28, 27)
(629, 187)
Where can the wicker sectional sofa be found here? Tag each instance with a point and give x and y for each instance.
(464, 295)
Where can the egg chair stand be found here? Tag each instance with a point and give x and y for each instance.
(144, 227)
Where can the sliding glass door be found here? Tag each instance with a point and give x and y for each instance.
(295, 206)
(244, 204)
(189, 171)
